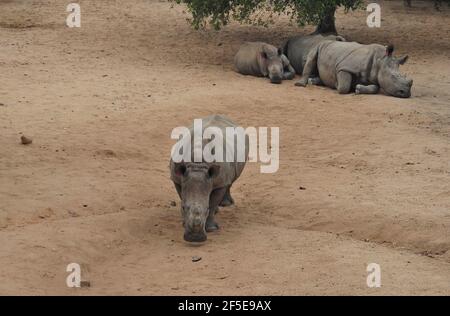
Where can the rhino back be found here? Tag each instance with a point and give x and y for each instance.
(352, 57)
(229, 171)
(297, 49)
(330, 55)
(360, 62)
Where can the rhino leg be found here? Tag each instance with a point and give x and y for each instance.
(211, 224)
(344, 82)
(310, 66)
(214, 201)
(227, 199)
(288, 75)
(370, 89)
(178, 187)
(288, 70)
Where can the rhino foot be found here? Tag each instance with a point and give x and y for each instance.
(288, 76)
(301, 83)
(211, 225)
(227, 199)
(316, 81)
(358, 89)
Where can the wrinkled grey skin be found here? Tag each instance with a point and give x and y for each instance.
(297, 49)
(203, 186)
(263, 60)
(350, 66)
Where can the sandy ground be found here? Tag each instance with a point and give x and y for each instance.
(101, 101)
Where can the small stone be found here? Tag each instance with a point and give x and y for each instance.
(302, 188)
(196, 258)
(25, 140)
(173, 203)
(73, 214)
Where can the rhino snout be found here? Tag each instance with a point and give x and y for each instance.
(195, 237)
(276, 79)
(405, 92)
(195, 232)
(195, 225)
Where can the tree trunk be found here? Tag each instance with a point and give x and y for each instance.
(327, 24)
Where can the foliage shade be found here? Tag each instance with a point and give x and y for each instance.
(261, 12)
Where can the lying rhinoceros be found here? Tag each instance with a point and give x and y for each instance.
(263, 60)
(350, 66)
(203, 186)
(297, 48)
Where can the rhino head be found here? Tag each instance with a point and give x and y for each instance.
(389, 77)
(196, 180)
(274, 65)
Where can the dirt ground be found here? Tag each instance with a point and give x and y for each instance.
(93, 188)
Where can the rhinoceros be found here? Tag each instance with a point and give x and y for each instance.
(204, 186)
(263, 60)
(297, 48)
(350, 66)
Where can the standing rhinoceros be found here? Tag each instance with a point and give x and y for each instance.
(203, 186)
(297, 48)
(350, 66)
(263, 60)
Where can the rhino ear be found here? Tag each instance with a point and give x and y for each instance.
(180, 169)
(389, 50)
(403, 60)
(214, 171)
